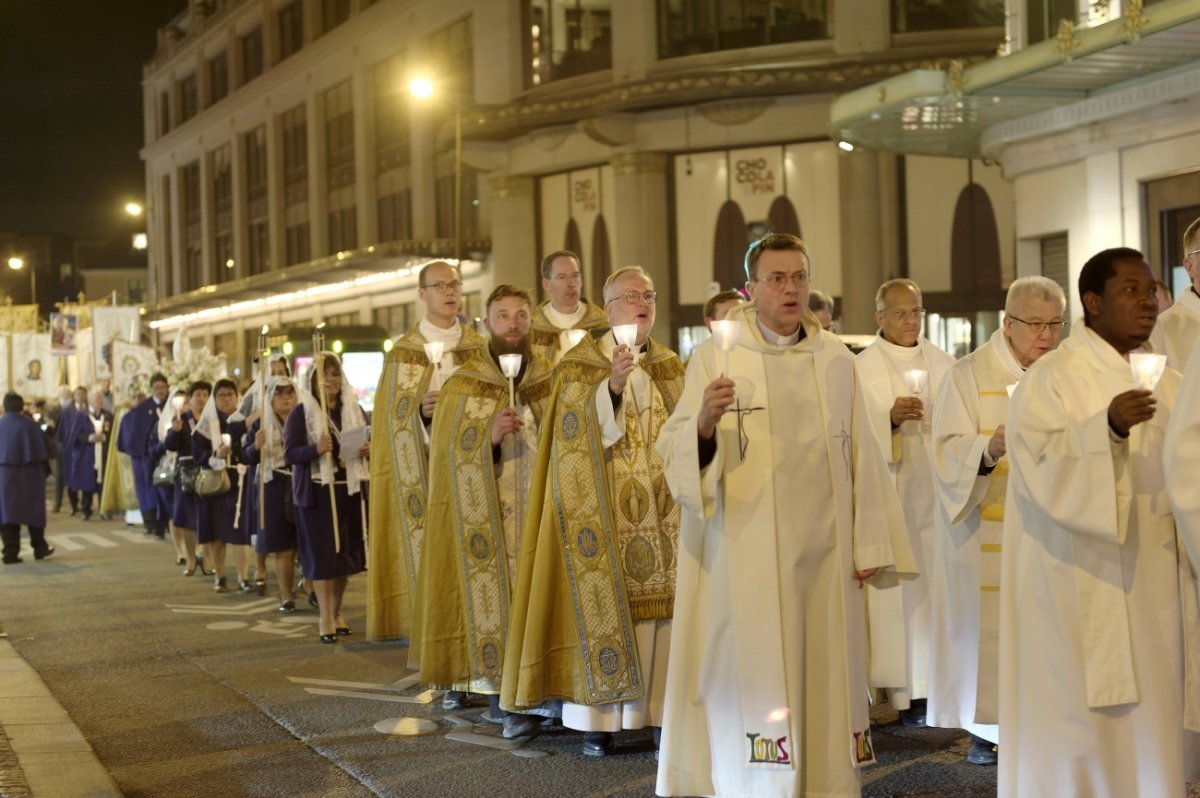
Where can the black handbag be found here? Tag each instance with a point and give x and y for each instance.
(188, 472)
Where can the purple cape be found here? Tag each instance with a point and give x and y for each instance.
(23, 462)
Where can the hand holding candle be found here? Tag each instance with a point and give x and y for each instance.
(511, 366)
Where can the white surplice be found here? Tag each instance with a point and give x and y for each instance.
(767, 683)
(899, 619)
(1092, 629)
(653, 636)
(1178, 329)
(1181, 457)
(964, 573)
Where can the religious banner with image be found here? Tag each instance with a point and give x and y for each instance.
(132, 366)
(63, 327)
(112, 324)
(4, 364)
(34, 372)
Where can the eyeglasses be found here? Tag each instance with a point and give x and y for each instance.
(900, 314)
(575, 277)
(445, 288)
(1193, 252)
(1039, 327)
(779, 280)
(634, 297)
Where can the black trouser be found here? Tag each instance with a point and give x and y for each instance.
(86, 502)
(60, 481)
(10, 534)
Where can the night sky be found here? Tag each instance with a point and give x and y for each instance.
(71, 111)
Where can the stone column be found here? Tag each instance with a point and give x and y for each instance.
(869, 199)
(318, 205)
(276, 225)
(365, 194)
(642, 227)
(514, 239)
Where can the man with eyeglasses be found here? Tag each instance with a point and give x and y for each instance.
(597, 569)
(556, 321)
(787, 510)
(1178, 326)
(405, 401)
(1098, 624)
(900, 372)
(972, 474)
(484, 441)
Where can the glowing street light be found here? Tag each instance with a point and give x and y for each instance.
(133, 208)
(422, 88)
(16, 264)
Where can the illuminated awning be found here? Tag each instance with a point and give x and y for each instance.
(966, 112)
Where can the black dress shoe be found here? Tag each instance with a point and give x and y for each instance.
(329, 638)
(597, 744)
(43, 554)
(982, 752)
(914, 716)
(343, 631)
(11, 560)
(287, 607)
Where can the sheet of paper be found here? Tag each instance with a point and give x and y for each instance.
(355, 439)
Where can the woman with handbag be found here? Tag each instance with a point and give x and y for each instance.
(330, 528)
(175, 431)
(277, 532)
(217, 445)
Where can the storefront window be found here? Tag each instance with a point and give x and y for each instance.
(910, 16)
(565, 38)
(687, 27)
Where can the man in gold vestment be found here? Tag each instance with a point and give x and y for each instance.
(591, 620)
(483, 442)
(404, 402)
(560, 321)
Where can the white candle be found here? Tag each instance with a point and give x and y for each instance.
(916, 380)
(725, 333)
(434, 350)
(1147, 369)
(177, 403)
(511, 366)
(226, 441)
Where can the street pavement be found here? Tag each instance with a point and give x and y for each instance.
(182, 692)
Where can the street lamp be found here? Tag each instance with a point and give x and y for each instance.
(423, 88)
(133, 208)
(16, 264)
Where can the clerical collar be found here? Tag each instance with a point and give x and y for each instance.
(775, 339)
(432, 332)
(565, 321)
(897, 351)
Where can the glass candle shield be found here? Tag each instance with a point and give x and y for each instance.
(916, 380)
(1147, 369)
(510, 365)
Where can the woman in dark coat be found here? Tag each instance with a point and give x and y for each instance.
(217, 443)
(177, 437)
(318, 460)
(277, 534)
(24, 466)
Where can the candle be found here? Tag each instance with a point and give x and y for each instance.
(434, 351)
(725, 333)
(1010, 389)
(511, 366)
(574, 337)
(625, 334)
(1147, 369)
(177, 403)
(226, 441)
(916, 380)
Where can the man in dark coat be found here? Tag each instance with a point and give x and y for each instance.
(24, 465)
(87, 437)
(138, 438)
(78, 404)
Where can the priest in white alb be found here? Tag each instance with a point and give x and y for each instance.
(1181, 457)
(1097, 618)
(971, 473)
(787, 508)
(900, 373)
(1178, 327)
(566, 316)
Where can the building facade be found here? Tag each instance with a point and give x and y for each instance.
(291, 177)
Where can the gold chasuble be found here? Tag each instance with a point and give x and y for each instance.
(399, 481)
(547, 336)
(117, 492)
(476, 506)
(600, 542)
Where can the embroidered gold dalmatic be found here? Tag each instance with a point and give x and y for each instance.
(118, 492)
(474, 524)
(547, 338)
(599, 549)
(399, 480)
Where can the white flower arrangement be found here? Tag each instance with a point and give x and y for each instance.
(194, 365)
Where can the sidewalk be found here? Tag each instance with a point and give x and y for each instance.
(42, 752)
